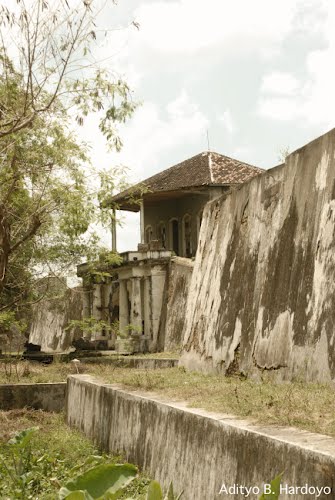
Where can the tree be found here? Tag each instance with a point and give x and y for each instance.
(48, 195)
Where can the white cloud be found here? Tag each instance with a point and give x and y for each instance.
(312, 100)
(227, 121)
(153, 131)
(279, 108)
(280, 83)
(279, 97)
(128, 233)
(319, 105)
(189, 25)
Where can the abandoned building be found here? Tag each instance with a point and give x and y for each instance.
(171, 206)
(172, 201)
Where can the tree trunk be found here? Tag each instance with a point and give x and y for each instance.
(4, 245)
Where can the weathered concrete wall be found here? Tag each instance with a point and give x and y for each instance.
(196, 450)
(133, 362)
(179, 278)
(47, 397)
(263, 289)
(50, 318)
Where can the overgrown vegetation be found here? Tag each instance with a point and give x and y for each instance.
(303, 405)
(36, 464)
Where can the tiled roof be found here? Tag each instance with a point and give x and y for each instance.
(204, 169)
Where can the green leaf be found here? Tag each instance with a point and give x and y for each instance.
(154, 491)
(89, 460)
(78, 495)
(107, 480)
(275, 489)
(22, 439)
(170, 493)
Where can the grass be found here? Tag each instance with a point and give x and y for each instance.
(56, 449)
(303, 405)
(158, 355)
(35, 372)
(306, 406)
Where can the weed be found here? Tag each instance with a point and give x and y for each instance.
(36, 463)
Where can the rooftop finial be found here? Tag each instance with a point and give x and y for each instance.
(208, 147)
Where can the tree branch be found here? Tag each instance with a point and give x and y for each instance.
(35, 225)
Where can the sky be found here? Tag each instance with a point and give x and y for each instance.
(257, 76)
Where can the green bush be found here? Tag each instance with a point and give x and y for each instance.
(36, 465)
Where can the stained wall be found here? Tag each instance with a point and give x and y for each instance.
(262, 294)
(50, 319)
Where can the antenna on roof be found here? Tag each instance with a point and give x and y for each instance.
(208, 148)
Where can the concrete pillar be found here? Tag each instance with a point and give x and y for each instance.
(142, 224)
(147, 308)
(158, 277)
(114, 242)
(97, 308)
(136, 306)
(96, 302)
(86, 303)
(106, 290)
(123, 307)
(105, 297)
(86, 308)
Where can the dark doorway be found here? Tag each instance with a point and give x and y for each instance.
(187, 237)
(175, 236)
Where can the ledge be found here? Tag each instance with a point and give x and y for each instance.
(199, 451)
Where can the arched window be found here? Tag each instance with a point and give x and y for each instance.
(174, 236)
(187, 236)
(148, 234)
(162, 234)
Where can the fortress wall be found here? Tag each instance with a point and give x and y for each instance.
(262, 294)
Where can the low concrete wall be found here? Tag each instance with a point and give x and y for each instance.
(199, 451)
(47, 397)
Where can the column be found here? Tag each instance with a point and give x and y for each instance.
(114, 244)
(123, 307)
(142, 222)
(158, 277)
(96, 309)
(147, 308)
(86, 308)
(136, 306)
